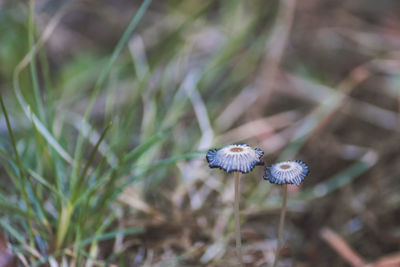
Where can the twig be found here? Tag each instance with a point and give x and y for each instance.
(386, 261)
(341, 247)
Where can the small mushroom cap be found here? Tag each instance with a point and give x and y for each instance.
(240, 158)
(286, 172)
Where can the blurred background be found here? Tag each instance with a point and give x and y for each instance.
(108, 108)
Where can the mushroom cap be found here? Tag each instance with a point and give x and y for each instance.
(286, 172)
(231, 158)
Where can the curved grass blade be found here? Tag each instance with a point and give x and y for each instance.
(34, 73)
(24, 105)
(41, 128)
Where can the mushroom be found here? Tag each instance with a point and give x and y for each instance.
(237, 159)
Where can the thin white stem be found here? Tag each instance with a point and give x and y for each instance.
(237, 221)
(281, 223)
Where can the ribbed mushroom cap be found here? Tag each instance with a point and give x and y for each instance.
(286, 172)
(240, 158)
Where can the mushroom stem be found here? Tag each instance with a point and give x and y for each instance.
(281, 223)
(237, 221)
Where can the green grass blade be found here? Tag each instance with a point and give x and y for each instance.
(137, 151)
(339, 180)
(8, 157)
(103, 75)
(38, 206)
(110, 235)
(40, 127)
(6, 206)
(122, 168)
(174, 159)
(20, 167)
(44, 182)
(12, 171)
(34, 74)
(12, 137)
(77, 188)
(118, 48)
(146, 169)
(12, 231)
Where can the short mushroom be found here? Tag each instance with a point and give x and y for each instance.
(284, 173)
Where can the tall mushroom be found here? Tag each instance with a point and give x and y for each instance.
(237, 159)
